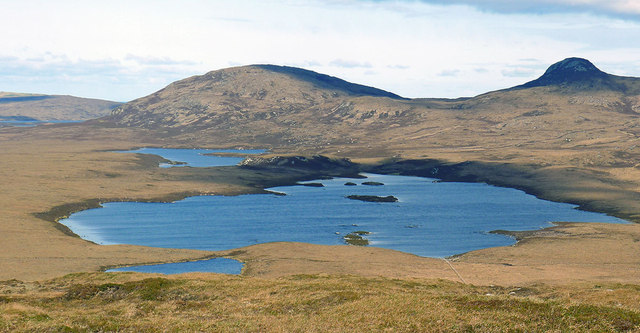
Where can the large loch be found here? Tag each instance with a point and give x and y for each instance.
(430, 218)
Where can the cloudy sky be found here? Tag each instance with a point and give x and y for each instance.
(121, 50)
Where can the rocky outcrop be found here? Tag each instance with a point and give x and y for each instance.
(312, 184)
(372, 198)
(316, 162)
(356, 238)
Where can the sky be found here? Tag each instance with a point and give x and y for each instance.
(122, 50)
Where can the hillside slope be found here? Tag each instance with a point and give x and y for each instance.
(52, 107)
(572, 104)
(268, 104)
(556, 139)
(574, 131)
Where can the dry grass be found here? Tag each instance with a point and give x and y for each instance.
(64, 168)
(107, 302)
(54, 107)
(580, 148)
(562, 147)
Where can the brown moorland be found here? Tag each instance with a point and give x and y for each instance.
(108, 302)
(52, 107)
(565, 137)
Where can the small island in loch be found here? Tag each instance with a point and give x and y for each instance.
(372, 198)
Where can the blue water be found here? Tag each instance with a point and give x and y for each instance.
(218, 265)
(196, 157)
(431, 219)
(31, 123)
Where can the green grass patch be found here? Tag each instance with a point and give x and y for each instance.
(132, 302)
(355, 238)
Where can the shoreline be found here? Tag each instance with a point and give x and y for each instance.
(34, 249)
(63, 211)
(520, 237)
(492, 174)
(446, 172)
(207, 257)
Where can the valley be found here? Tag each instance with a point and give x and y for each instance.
(565, 137)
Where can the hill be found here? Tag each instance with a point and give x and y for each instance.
(580, 74)
(559, 140)
(574, 123)
(554, 140)
(269, 104)
(52, 107)
(573, 102)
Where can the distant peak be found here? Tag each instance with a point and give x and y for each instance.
(573, 65)
(570, 71)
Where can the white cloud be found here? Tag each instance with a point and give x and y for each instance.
(449, 72)
(629, 9)
(349, 63)
(126, 49)
(398, 66)
(518, 72)
(158, 61)
(103, 78)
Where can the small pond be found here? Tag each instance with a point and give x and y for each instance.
(198, 157)
(218, 265)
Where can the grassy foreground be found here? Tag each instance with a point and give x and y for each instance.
(131, 302)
